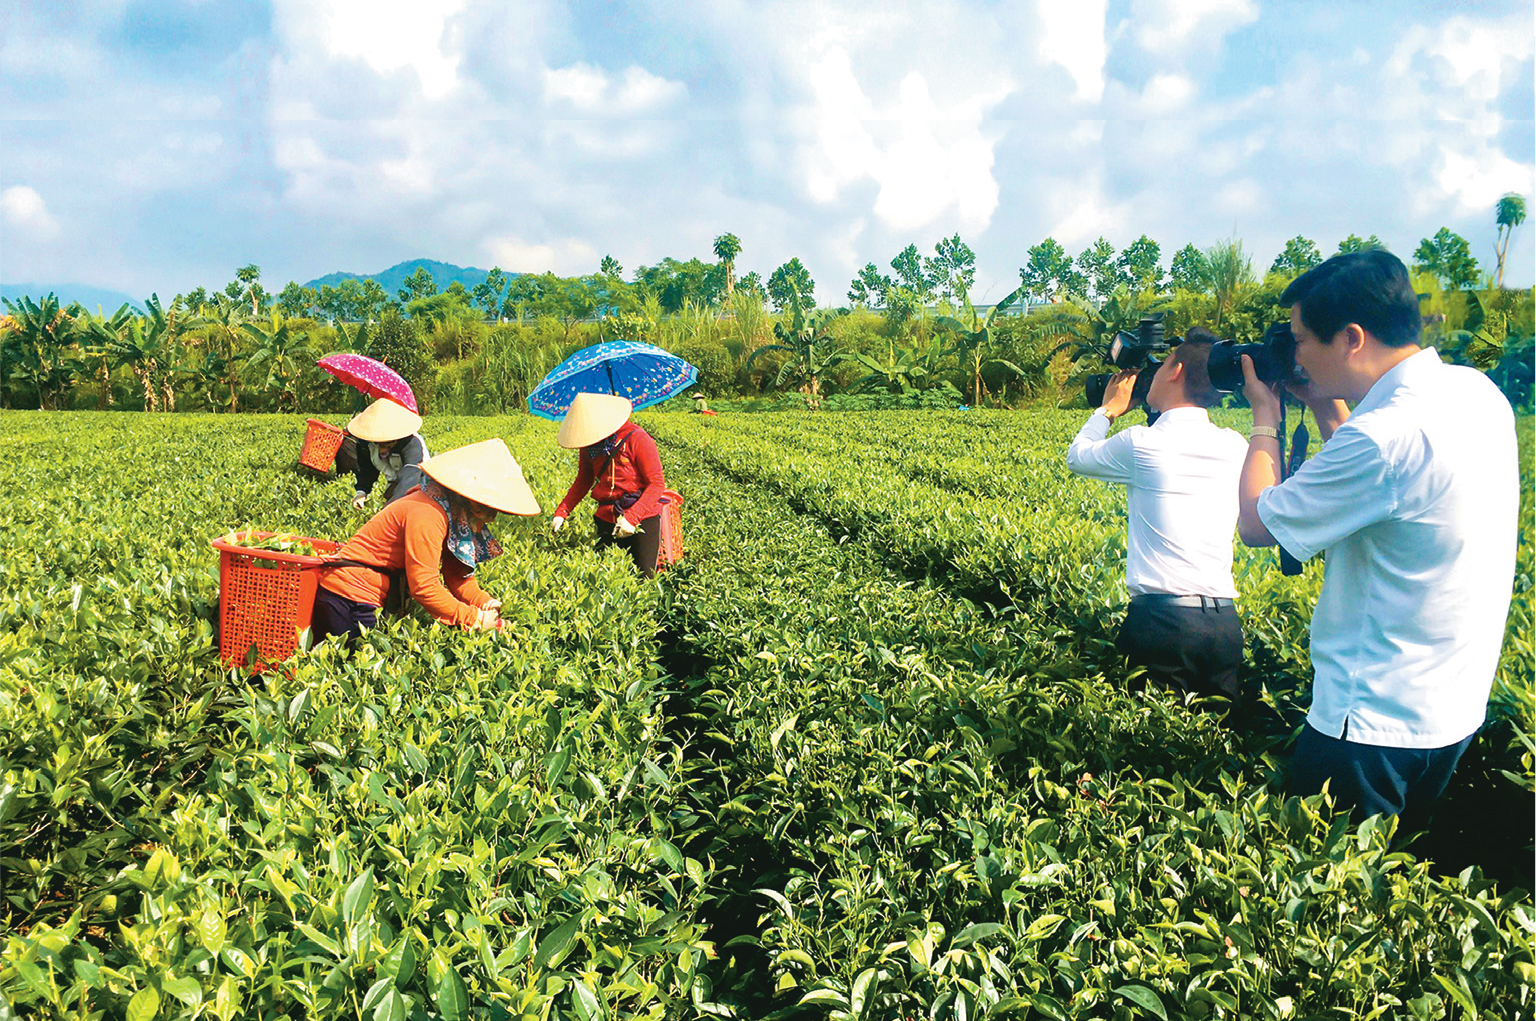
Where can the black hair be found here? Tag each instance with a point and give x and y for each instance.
(1371, 289)
(1194, 354)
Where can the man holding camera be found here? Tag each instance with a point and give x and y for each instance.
(1180, 474)
(1414, 497)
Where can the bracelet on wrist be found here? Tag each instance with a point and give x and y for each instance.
(1263, 430)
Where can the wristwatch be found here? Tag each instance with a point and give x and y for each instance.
(1263, 430)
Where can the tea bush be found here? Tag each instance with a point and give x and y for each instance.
(866, 753)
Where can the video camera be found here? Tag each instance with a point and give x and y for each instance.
(1132, 351)
(1274, 359)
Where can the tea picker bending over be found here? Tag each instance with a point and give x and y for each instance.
(619, 465)
(388, 444)
(427, 544)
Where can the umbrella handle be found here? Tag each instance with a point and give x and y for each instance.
(613, 387)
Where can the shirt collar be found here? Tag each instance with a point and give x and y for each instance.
(1180, 415)
(1405, 373)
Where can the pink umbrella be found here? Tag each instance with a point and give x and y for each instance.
(371, 376)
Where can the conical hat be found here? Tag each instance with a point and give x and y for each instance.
(383, 421)
(484, 472)
(593, 417)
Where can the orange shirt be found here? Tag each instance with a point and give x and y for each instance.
(409, 534)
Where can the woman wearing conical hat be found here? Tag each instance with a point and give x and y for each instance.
(427, 544)
(620, 467)
(388, 444)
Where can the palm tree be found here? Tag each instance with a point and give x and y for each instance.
(226, 318)
(727, 247)
(250, 276)
(1511, 215)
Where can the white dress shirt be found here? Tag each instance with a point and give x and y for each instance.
(1415, 498)
(1181, 479)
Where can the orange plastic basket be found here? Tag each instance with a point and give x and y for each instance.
(321, 441)
(265, 598)
(671, 550)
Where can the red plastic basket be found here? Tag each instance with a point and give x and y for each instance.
(321, 441)
(265, 598)
(671, 550)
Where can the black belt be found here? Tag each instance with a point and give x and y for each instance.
(1169, 599)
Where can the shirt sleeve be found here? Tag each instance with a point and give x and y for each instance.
(460, 580)
(648, 472)
(579, 488)
(1346, 487)
(424, 535)
(1112, 460)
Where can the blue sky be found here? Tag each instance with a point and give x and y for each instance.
(156, 146)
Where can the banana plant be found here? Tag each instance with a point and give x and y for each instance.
(808, 340)
(907, 371)
(1088, 329)
(282, 353)
(226, 318)
(44, 335)
(974, 336)
(99, 337)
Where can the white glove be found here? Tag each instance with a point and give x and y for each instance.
(556, 524)
(623, 527)
(359, 500)
(486, 619)
(492, 604)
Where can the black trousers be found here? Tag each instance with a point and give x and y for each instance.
(337, 615)
(642, 547)
(1189, 648)
(1373, 780)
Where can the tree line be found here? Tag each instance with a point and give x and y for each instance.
(908, 336)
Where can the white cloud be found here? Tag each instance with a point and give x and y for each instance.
(926, 159)
(1173, 28)
(23, 210)
(592, 90)
(1167, 93)
(1073, 36)
(1478, 183)
(565, 256)
(844, 151)
(938, 161)
(392, 34)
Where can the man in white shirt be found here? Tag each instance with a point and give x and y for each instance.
(1181, 479)
(1414, 497)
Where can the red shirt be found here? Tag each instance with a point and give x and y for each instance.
(634, 468)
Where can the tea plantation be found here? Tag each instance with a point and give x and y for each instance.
(866, 753)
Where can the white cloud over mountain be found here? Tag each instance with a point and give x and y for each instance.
(179, 140)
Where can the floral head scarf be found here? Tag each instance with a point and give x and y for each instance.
(470, 546)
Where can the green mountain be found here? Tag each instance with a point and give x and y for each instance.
(91, 297)
(392, 279)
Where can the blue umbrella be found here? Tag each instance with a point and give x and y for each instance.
(644, 373)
